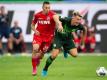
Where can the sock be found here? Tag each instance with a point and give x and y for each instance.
(48, 63)
(35, 62)
(91, 50)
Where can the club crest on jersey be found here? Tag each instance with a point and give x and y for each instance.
(48, 18)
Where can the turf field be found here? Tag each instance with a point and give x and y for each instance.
(81, 68)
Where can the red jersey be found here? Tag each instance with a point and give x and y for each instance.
(45, 22)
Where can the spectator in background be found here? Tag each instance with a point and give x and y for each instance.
(90, 41)
(77, 40)
(17, 38)
(4, 29)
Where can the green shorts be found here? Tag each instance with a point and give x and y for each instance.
(67, 44)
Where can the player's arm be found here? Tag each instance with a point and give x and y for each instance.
(34, 21)
(83, 36)
(58, 23)
(74, 35)
(33, 28)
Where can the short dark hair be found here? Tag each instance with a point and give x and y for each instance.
(46, 2)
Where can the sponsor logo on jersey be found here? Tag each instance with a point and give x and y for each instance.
(43, 22)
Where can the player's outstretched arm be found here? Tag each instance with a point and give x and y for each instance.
(33, 28)
(84, 34)
(58, 23)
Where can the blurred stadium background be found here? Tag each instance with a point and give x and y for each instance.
(82, 68)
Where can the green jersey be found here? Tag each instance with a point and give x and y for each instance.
(65, 39)
(68, 28)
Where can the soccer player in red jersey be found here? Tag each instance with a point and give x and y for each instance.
(46, 21)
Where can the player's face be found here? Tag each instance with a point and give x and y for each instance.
(46, 8)
(76, 20)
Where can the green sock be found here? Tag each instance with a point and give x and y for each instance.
(48, 63)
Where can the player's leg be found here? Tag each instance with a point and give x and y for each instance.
(49, 61)
(35, 58)
(35, 53)
(54, 53)
(73, 52)
(65, 53)
(70, 46)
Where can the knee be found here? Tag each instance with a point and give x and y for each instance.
(53, 56)
(73, 53)
(55, 53)
(35, 49)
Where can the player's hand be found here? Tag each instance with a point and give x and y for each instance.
(37, 32)
(60, 29)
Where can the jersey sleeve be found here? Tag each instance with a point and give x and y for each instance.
(34, 21)
(20, 30)
(63, 20)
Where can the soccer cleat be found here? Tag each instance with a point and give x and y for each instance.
(65, 55)
(34, 71)
(44, 73)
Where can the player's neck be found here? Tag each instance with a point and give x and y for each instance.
(44, 13)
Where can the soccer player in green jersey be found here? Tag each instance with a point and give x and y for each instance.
(65, 39)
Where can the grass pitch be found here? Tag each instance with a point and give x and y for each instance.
(80, 68)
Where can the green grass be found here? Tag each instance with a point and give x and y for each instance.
(81, 68)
